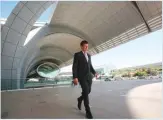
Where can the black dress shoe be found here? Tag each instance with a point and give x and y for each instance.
(89, 115)
(79, 103)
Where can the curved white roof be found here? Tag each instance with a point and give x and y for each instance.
(104, 25)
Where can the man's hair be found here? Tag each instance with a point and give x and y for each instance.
(83, 42)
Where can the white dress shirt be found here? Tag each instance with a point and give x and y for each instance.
(86, 55)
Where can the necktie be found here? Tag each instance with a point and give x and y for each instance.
(86, 56)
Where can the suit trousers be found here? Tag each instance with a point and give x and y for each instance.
(86, 89)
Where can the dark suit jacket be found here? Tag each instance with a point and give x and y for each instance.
(81, 68)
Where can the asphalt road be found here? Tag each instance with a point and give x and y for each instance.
(108, 100)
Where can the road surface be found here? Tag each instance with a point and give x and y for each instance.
(112, 100)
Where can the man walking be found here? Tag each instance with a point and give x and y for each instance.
(82, 69)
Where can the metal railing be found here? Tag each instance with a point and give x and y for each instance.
(10, 84)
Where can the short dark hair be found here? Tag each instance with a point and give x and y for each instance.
(83, 42)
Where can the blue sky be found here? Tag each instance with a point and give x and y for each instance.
(144, 50)
(7, 7)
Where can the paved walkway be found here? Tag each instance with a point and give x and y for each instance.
(146, 101)
(115, 99)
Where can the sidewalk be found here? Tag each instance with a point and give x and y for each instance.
(146, 101)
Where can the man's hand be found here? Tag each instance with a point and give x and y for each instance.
(75, 81)
(96, 75)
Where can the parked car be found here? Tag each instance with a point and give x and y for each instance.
(141, 77)
(107, 79)
(118, 78)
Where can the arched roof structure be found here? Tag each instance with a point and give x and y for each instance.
(104, 24)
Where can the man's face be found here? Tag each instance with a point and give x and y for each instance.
(84, 47)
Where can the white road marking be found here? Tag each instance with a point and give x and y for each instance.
(123, 95)
(109, 90)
